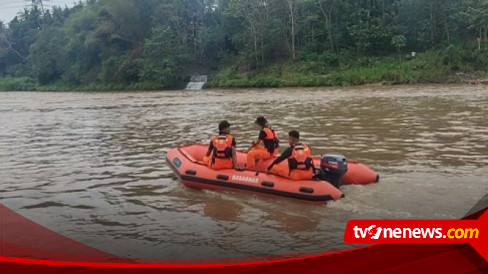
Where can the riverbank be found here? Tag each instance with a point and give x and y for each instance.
(356, 77)
(426, 68)
(29, 84)
(429, 68)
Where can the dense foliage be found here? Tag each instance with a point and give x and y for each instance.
(153, 44)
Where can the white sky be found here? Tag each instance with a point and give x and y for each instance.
(10, 8)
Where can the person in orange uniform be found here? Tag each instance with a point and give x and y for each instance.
(221, 152)
(300, 163)
(265, 147)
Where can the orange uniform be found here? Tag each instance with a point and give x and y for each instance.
(300, 163)
(220, 150)
(269, 150)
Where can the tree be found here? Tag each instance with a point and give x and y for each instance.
(292, 9)
(399, 41)
(163, 58)
(476, 14)
(158, 42)
(253, 14)
(327, 8)
(47, 55)
(6, 44)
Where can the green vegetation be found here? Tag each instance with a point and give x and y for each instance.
(17, 84)
(452, 64)
(153, 44)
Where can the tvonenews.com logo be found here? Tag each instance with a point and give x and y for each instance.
(469, 231)
(375, 232)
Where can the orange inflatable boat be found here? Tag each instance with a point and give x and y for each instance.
(187, 164)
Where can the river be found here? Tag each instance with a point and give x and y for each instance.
(91, 166)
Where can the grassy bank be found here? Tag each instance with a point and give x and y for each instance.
(430, 67)
(28, 84)
(17, 84)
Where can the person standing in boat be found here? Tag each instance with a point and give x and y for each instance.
(300, 162)
(265, 147)
(221, 152)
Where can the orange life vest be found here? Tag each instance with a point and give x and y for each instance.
(300, 157)
(222, 146)
(271, 141)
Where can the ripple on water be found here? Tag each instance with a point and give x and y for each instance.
(92, 165)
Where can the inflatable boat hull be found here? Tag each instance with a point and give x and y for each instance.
(186, 163)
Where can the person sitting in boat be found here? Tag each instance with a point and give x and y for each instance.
(265, 147)
(221, 152)
(300, 163)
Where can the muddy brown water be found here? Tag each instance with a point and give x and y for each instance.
(91, 166)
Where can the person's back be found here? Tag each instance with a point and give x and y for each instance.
(265, 147)
(299, 158)
(221, 153)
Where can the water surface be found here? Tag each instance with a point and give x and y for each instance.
(91, 166)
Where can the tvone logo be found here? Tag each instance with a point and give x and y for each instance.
(374, 232)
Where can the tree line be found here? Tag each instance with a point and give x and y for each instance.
(160, 43)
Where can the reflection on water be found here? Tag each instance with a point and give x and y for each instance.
(92, 165)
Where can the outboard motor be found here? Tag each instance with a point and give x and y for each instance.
(332, 168)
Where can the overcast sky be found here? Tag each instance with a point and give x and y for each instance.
(9, 8)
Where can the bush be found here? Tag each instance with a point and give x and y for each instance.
(17, 84)
(329, 59)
